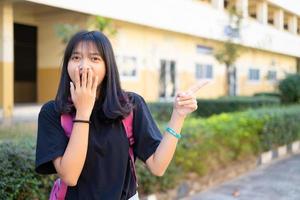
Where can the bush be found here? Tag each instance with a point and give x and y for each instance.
(232, 104)
(210, 144)
(18, 179)
(150, 184)
(267, 94)
(208, 107)
(207, 145)
(290, 89)
(161, 111)
(282, 126)
(213, 143)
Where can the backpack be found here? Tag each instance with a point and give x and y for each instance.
(59, 188)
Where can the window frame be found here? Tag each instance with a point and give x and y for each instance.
(249, 75)
(120, 60)
(205, 71)
(275, 72)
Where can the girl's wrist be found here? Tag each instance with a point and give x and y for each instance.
(177, 115)
(82, 116)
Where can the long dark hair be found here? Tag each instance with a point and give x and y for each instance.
(115, 102)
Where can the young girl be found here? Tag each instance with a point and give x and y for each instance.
(94, 161)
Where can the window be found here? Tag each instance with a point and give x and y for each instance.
(229, 4)
(253, 74)
(167, 81)
(204, 49)
(272, 75)
(127, 66)
(231, 31)
(204, 71)
(252, 8)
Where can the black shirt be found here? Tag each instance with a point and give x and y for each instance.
(106, 173)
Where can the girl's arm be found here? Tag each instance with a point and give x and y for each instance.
(160, 160)
(83, 94)
(69, 166)
(184, 104)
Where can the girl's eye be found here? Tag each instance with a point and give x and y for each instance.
(96, 59)
(75, 58)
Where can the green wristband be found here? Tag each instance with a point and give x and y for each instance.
(172, 132)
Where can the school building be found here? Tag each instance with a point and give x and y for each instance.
(161, 46)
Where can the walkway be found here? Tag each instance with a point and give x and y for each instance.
(278, 181)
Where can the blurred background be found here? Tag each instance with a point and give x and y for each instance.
(248, 50)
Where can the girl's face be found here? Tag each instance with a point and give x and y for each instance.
(86, 56)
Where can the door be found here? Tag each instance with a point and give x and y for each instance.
(167, 88)
(25, 63)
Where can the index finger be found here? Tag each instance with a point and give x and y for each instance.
(77, 78)
(194, 88)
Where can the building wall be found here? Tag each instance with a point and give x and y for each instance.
(50, 49)
(1, 74)
(158, 44)
(23, 88)
(149, 46)
(198, 19)
(6, 58)
(264, 61)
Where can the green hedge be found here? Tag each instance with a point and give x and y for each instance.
(221, 139)
(207, 145)
(208, 107)
(18, 179)
(267, 94)
(161, 111)
(290, 89)
(150, 184)
(233, 104)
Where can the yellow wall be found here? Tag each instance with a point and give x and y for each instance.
(48, 79)
(149, 46)
(159, 44)
(50, 48)
(6, 75)
(264, 61)
(6, 59)
(144, 85)
(1, 91)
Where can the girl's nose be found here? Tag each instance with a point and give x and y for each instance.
(84, 65)
(81, 67)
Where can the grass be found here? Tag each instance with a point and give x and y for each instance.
(18, 132)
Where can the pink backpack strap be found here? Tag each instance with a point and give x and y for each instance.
(59, 189)
(128, 125)
(66, 121)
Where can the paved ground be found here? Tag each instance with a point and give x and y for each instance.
(277, 181)
(23, 113)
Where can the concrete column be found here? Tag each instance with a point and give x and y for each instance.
(242, 7)
(262, 12)
(293, 24)
(6, 59)
(219, 4)
(279, 19)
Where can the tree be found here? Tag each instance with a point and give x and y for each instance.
(66, 31)
(230, 51)
(105, 25)
(290, 88)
